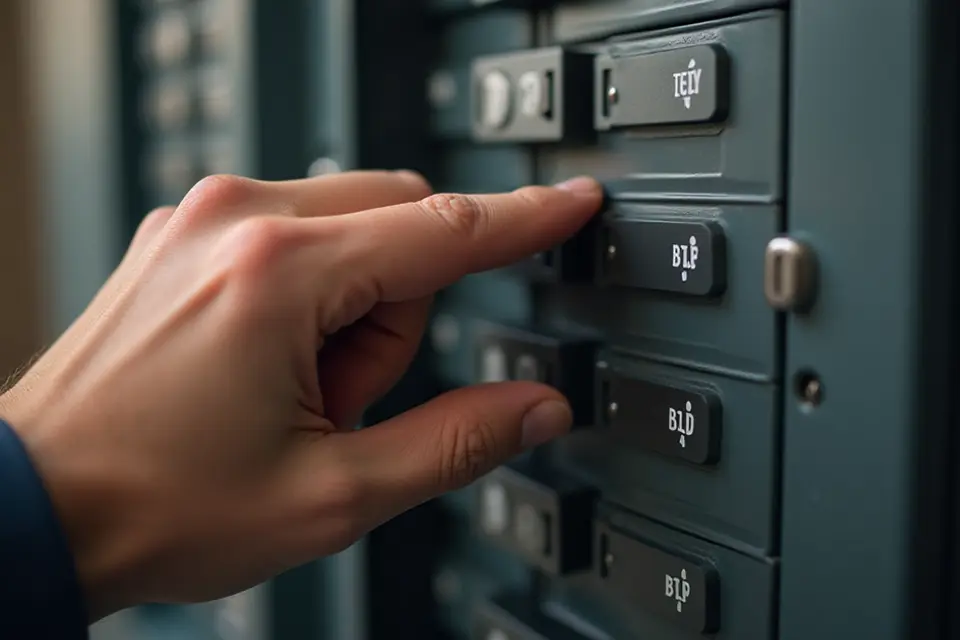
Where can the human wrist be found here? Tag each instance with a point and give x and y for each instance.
(91, 502)
(92, 509)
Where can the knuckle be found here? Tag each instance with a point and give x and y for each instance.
(216, 193)
(461, 214)
(468, 452)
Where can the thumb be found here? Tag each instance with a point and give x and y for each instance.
(451, 441)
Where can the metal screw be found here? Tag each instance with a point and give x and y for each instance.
(808, 388)
(611, 252)
(608, 560)
(812, 392)
(612, 409)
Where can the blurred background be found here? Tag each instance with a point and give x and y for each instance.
(111, 107)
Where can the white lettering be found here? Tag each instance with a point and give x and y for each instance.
(682, 421)
(686, 84)
(685, 257)
(677, 589)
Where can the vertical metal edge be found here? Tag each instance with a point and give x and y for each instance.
(934, 542)
(243, 57)
(854, 185)
(338, 29)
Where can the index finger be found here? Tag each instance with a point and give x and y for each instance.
(412, 250)
(350, 192)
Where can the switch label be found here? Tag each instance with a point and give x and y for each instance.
(663, 417)
(677, 256)
(682, 421)
(678, 588)
(686, 84)
(679, 86)
(685, 257)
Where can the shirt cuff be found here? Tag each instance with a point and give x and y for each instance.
(40, 595)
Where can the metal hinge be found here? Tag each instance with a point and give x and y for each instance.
(790, 275)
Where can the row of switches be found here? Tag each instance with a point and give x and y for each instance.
(554, 94)
(549, 520)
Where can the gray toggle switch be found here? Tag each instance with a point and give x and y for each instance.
(680, 86)
(664, 255)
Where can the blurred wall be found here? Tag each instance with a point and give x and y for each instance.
(22, 312)
(72, 65)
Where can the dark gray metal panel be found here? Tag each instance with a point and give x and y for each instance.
(739, 159)
(733, 502)
(735, 334)
(493, 31)
(577, 20)
(855, 161)
(448, 91)
(483, 170)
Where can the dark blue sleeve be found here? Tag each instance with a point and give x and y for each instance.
(40, 595)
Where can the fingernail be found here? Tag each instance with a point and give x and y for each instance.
(581, 185)
(545, 422)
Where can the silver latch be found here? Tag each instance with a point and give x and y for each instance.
(790, 275)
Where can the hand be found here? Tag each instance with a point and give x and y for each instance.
(194, 442)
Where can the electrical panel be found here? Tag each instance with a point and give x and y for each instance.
(756, 332)
(743, 389)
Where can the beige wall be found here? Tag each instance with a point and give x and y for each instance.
(21, 313)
